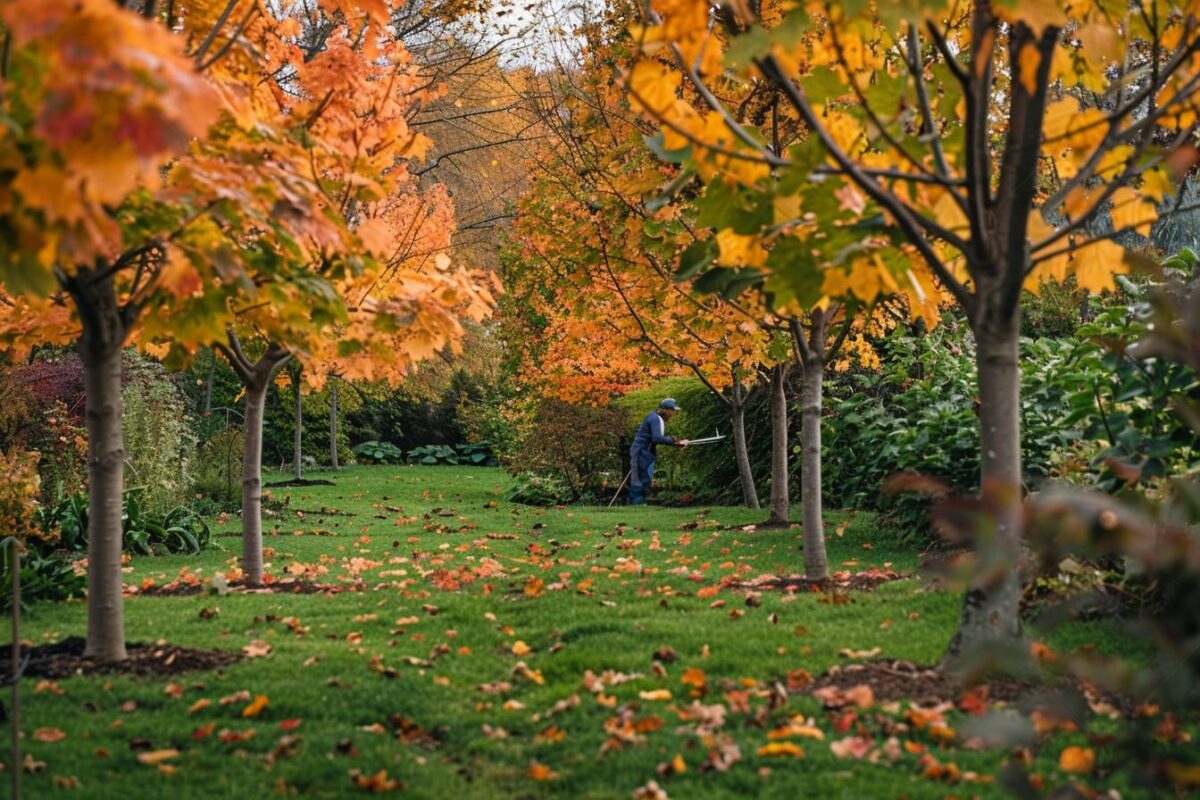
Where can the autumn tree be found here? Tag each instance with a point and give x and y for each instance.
(599, 254)
(977, 140)
(132, 157)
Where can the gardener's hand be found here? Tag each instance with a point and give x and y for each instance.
(683, 443)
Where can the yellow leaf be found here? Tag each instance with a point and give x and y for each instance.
(519, 648)
(1096, 262)
(740, 251)
(151, 757)
(1028, 62)
(656, 694)
(776, 749)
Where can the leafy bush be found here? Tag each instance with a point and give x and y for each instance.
(540, 490)
(580, 445)
(478, 454)
(217, 472)
(378, 453)
(433, 454)
(159, 440)
(144, 531)
(44, 574)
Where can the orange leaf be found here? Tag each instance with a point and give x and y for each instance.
(151, 757)
(256, 708)
(1079, 760)
(49, 735)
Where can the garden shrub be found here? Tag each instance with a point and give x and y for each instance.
(378, 453)
(160, 442)
(217, 471)
(580, 445)
(44, 575)
(478, 454)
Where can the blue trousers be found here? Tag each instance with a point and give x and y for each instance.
(641, 476)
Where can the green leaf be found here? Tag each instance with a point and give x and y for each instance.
(695, 258)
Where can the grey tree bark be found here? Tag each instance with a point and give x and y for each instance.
(256, 378)
(781, 500)
(737, 412)
(333, 424)
(101, 341)
(816, 564)
(991, 605)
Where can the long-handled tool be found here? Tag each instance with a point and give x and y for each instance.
(619, 488)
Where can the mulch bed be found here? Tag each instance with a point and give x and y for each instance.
(298, 482)
(181, 589)
(65, 659)
(904, 680)
(863, 581)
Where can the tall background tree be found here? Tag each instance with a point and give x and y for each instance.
(979, 140)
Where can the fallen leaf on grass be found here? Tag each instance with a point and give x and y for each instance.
(651, 791)
(777, 749)
(860, 696)
(256, 708)
(540, 772)
(49, 735)
(656, 694)
(1078, 760)
(519, 648)
(152, 757)
(846, 652)
(199, 705)
(204, 731)
(379, 782)
(257, 649)
(855, 747)
(290, 724)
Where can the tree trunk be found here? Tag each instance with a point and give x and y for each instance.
(745, 473)
(333, 425)
(100, 345)
(297, 436)
(781, 501)
(252, 557)
(990, 613)
(816, 565)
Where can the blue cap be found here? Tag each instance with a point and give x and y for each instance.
(669, 403)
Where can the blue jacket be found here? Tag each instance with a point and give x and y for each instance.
(651, 433)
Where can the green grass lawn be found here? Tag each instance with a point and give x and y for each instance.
(615, 586)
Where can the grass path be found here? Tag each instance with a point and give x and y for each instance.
(582, 588)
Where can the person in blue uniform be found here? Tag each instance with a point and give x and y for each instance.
(651, 433)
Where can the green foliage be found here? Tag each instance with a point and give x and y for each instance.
(378, 453)
(144, 530)
(1055, 311)
(160, 442)
(217, 471)
(433, 454)
(581, 445)
(478, 454)
(539, 490)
